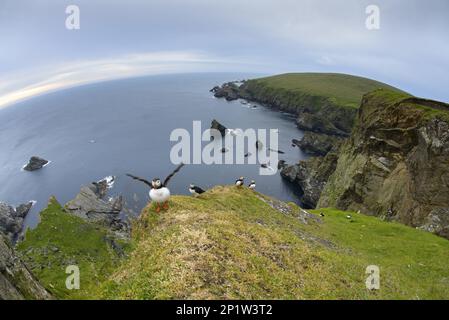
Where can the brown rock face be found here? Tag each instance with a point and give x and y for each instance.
(396, 163)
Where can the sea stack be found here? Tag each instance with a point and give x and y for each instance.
(218, 126)
(35, 163)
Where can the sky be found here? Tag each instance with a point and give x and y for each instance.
(119, 39)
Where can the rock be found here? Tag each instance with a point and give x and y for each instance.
(218, 126)
(11, 219)
(395, 164)
(229, 91)
(437, 222)
(316, 123)
(88, 205)
(16, 282)
(311, 176)
(35, 163)
(281, 164)
(317, 144)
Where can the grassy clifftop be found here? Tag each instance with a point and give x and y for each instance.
(340, 89)
(236, 243)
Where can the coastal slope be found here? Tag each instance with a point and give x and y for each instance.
(234, 243)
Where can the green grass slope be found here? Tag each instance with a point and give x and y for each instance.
(234, 243)
(61, 240)
(230, 243)
(341, 89)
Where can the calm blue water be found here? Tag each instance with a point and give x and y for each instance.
(130, 121)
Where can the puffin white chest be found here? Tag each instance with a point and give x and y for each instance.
(160, 195)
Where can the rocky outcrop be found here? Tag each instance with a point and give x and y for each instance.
(396, 163)
(11, 219)
(90, 204)
(35, 163)
(218, 126)
(16, 281)
(319, 123)
(316, 144)
(311, 176)
(229, 91)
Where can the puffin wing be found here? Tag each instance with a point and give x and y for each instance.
(172, 174)
(141, 180)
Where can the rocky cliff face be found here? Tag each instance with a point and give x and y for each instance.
(315, 113)
(16, 282)
(396, 163)
(311, 176)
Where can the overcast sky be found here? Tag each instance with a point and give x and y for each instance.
(130, 38)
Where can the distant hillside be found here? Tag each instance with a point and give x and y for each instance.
(341, 89)
(325, 103)
(233, 243)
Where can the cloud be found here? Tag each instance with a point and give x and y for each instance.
(19, 86)
(410, 50)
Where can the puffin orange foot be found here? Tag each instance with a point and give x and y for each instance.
(165, 206)
(158, 208)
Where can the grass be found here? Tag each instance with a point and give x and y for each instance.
(341, 89)
(230, 244)
(388, 98)
(413, 263)
(62, 239)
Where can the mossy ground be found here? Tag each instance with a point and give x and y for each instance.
(341, 89)
(61, 240)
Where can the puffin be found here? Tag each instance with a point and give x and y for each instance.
(239, 181)
(159, 192)
(252, 185)
(195, 190)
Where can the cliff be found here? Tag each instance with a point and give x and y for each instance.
(396, 162)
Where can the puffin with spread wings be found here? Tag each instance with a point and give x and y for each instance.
(159, 192)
